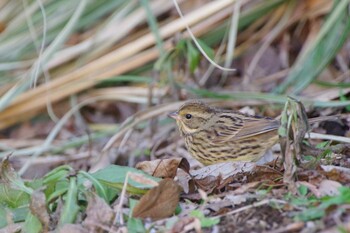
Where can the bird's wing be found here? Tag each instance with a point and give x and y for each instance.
(250, 127)
(256, 126)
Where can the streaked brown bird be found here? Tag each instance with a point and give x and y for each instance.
(214, 135)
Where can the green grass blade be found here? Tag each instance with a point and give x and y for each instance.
(70, 208)
(316, 57)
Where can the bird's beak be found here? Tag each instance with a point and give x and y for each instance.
(174, 115)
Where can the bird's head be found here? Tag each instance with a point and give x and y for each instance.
(193, 117)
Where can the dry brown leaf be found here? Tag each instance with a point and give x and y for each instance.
(217, 176)
(225, 170)
(329, 188)
(337, 173)
(324, 188)
(208, 184)
(311, 187)
(185, 181)
(159, 202)
(246, 187)
(38, 208)
(186, 224)
(164, 168)
(100, 216)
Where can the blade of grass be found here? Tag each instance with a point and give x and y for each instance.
(24, 84)
(270, 97)
(321, 51)
(70, 208)
(152, 22)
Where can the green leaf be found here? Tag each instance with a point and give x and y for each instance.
(316, 212)
(205, 221)
(57, 174)
(135, 225)
(32, 224)
(57, 193)
(13, 198)
(311, 214)
(20, 214)
(323, 145)
(3, 217)
(113, 177)
(70, 208)
(302, 190)
(10, 177)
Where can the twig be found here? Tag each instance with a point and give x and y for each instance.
(254, 205)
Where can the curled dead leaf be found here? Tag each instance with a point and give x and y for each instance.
(164, 168)
(159, 202)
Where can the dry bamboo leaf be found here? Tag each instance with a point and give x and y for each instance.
(159, 202)
(164, 168)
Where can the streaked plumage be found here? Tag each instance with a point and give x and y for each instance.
(214, 135)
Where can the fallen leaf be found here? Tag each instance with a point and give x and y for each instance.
(236, 199)
(329, 188)
(246, 187)
(217, 204)
(208, 184)
(337, 173)
(224, 170)
(164, 168)
(217, 176)
(38, 208)
(159, 202)
(311, 187)
(186, 225)
(98, 213)
(185, 181)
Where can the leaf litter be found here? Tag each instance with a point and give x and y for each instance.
(306, 189)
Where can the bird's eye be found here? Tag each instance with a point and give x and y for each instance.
(188, 116)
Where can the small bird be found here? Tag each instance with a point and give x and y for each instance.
(215, 135)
